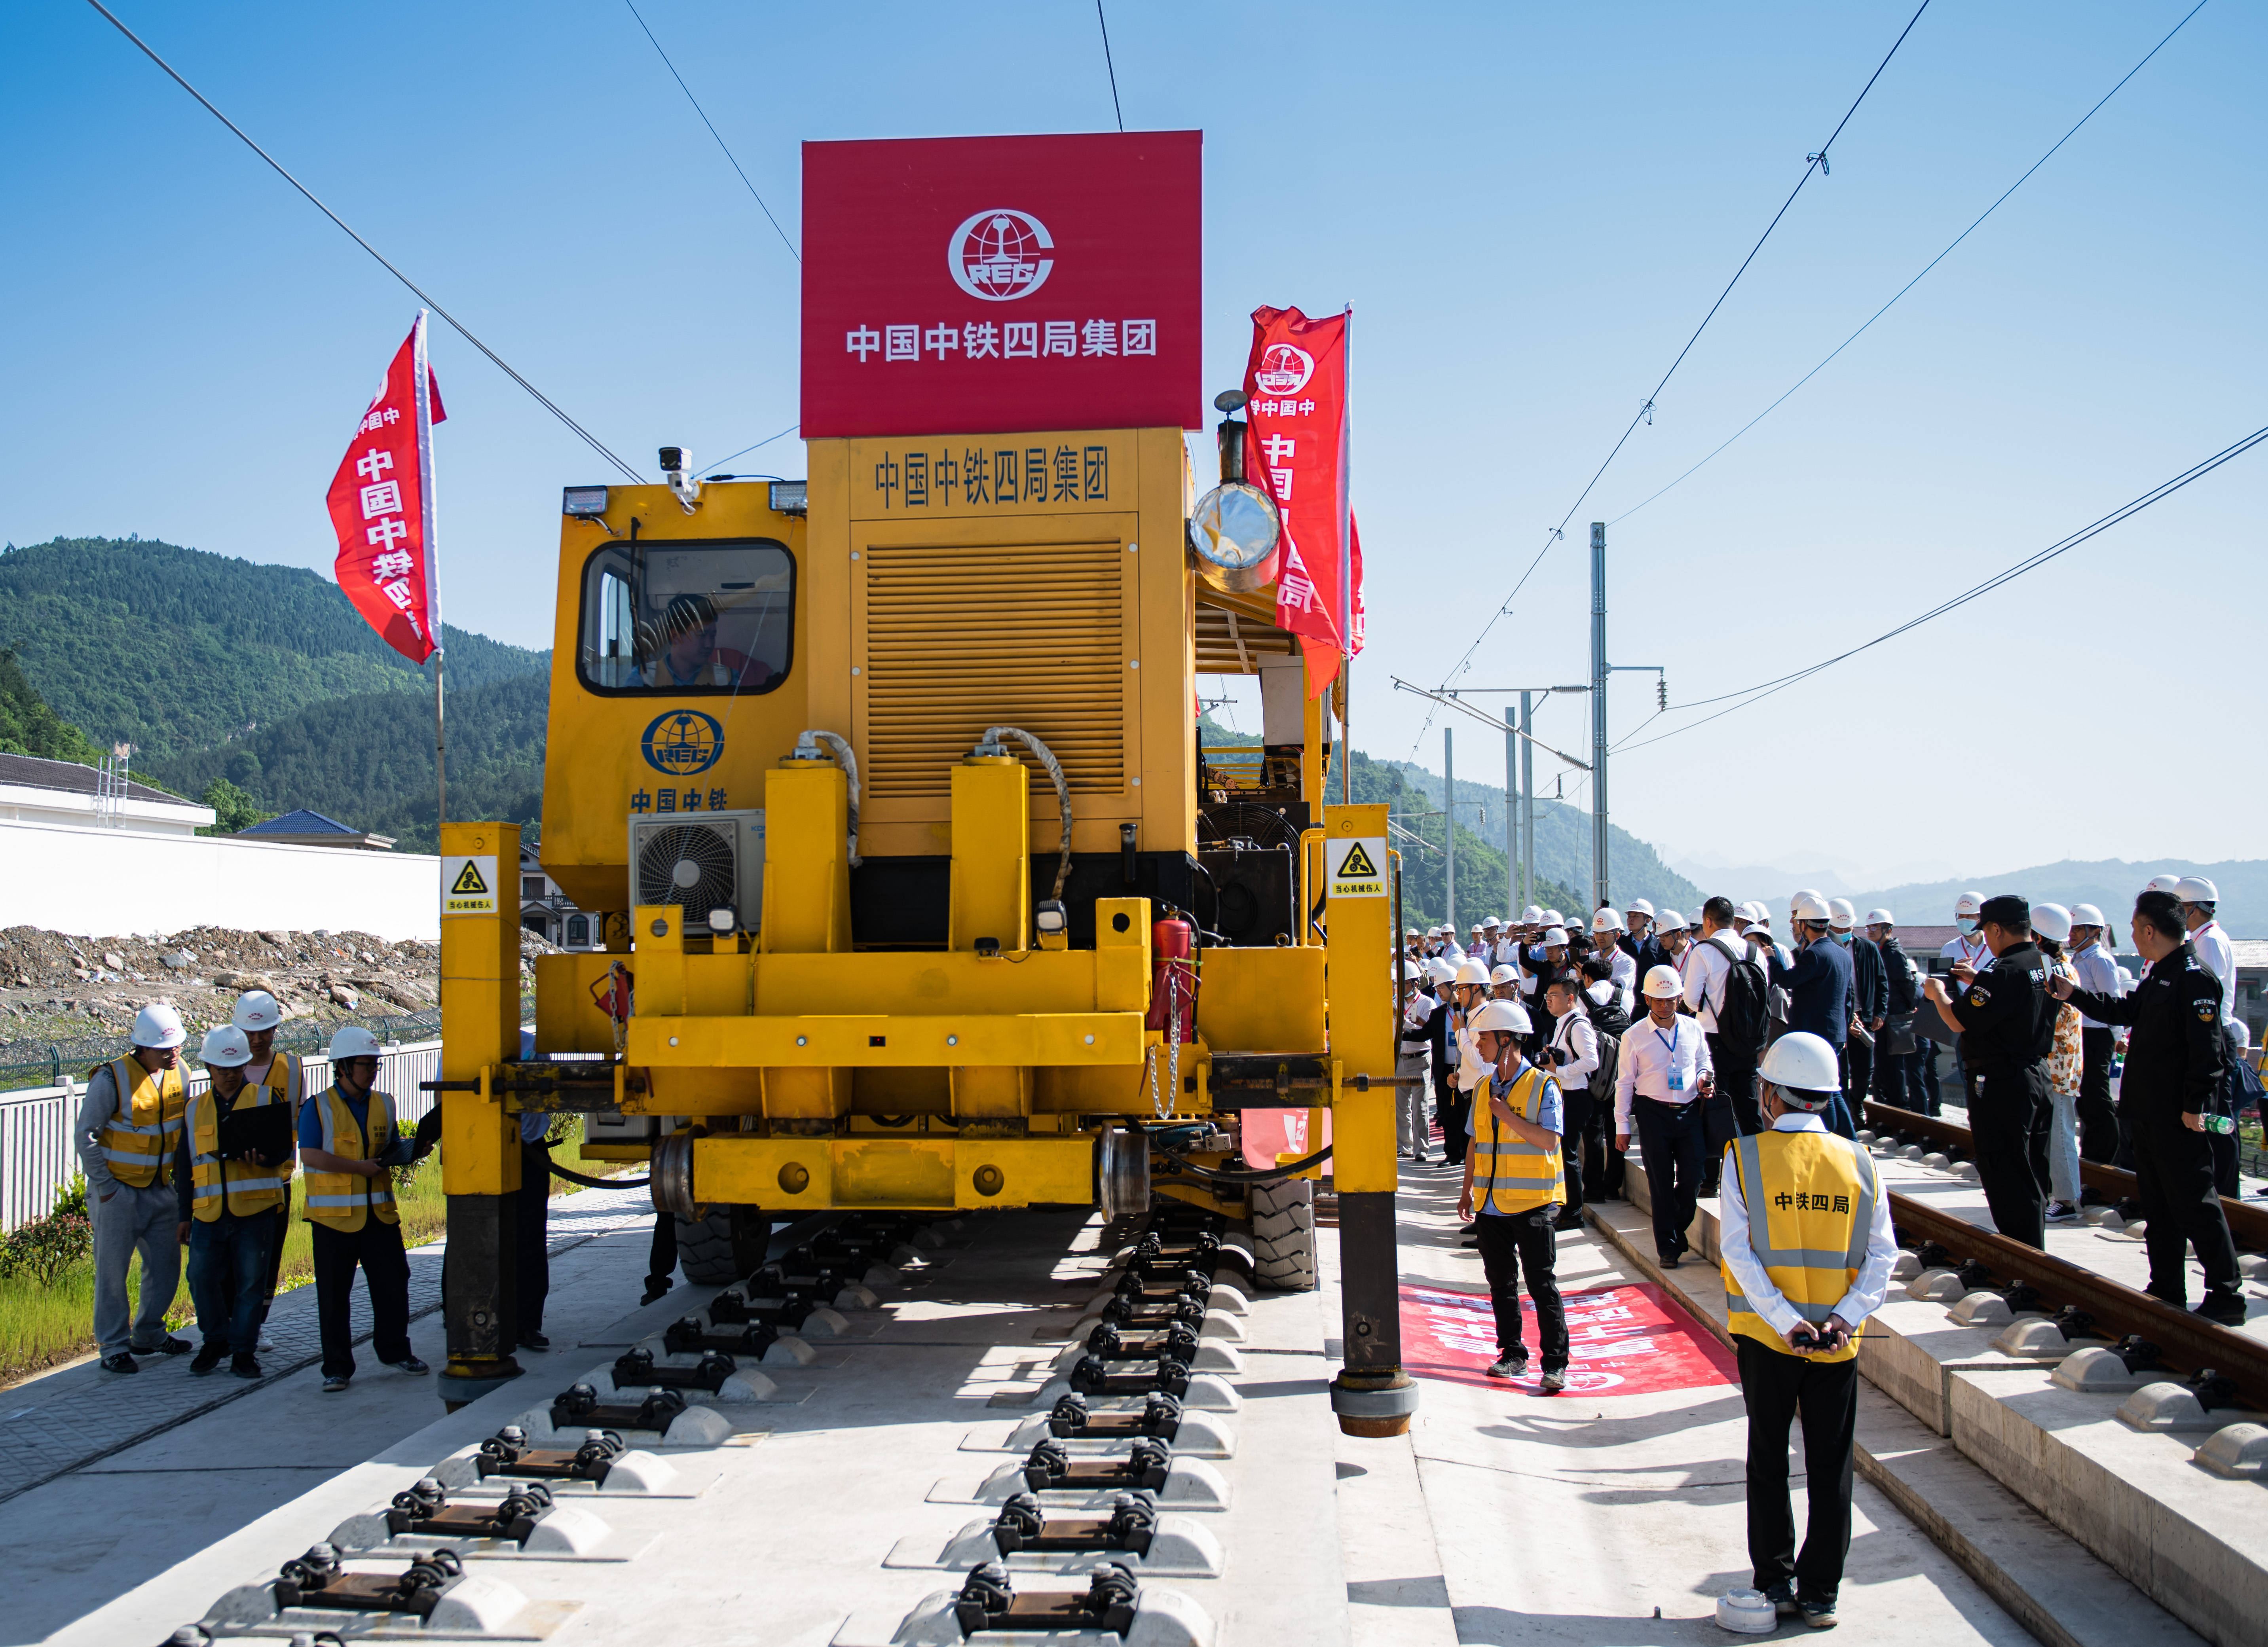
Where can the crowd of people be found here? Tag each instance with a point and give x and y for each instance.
(210, 1173)
(1740, 1062)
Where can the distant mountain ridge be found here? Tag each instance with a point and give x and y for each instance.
(2110, 883)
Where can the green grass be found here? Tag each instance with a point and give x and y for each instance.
(42, 1324)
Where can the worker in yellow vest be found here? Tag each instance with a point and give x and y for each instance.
(1804, 1225)
(229, 1187)
(257, 1014)
(349, 1145)
(1514, 1190)
(128, 1123)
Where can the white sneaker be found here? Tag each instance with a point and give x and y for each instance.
(266, 1343)
(1508, 1367)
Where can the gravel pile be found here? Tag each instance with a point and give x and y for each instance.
(57, 984)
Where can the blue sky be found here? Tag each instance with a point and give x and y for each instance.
(1529, 207)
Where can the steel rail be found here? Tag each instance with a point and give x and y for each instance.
(2247, 1222)
(2188, 1343)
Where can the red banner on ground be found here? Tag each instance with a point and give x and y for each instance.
(970, 285)
(1295, 444)
(1621, 1340)
(381, 503)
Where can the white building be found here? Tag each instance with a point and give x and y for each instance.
(33, 791)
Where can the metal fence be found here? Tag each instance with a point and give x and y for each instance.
(37, 1158)
(52, 1063)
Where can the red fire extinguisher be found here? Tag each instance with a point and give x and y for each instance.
(1173, 978)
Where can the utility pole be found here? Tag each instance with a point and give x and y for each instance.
(1510, 814)
(1599, 885)
(1449, 823)
(1528, 805)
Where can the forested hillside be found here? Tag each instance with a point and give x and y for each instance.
(28, 726)
(177, 650)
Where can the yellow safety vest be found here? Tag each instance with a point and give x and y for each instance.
(139, 1139)
(283, 1071)
(342, 1199)
(1810, 1198)
(1511, 1174)
(242, 1187)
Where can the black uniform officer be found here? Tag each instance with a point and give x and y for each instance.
(2006, 1023)
(2174, 1064)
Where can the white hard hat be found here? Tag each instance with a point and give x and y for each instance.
(1810, 906)
(1879, 917)
(353, 1042)
(2196, 889)
(226, 1047)
(1555, 935)
(1473, 972)
(2087, 914)
(1491, 920)
(1412, 932)
(1552, 917)
(257, 1010)
(1502, 1015)
(1753, 911)
(1506, 973)
(1967, 903)
(2164, 883)
(1606, 921)
(2052, 921)
(1805, 892)
(1477, 926)
(1639, 906)
(1663, 984)
(1804, 1068)
(2125, 981)
(1843, 913)
(157, 1025)
(1670, 921)
(1440, 971)
(1530, 915)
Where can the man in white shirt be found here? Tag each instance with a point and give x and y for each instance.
(2098, 974)
(1606, 929)
(1731, 1107)
(1664, 1073)
(1797, 1300)
(1571, 1058)
(1968, 950)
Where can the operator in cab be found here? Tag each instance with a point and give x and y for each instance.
(689, 654)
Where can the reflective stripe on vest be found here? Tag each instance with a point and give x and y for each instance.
(138, 1140)
(1810, 1198)
(345, 1200)
(1510, 1174)
(243, 1188)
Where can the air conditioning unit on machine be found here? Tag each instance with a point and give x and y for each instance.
(701, 862)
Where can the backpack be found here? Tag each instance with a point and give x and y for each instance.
(1610, 1064)
(1740, 1015)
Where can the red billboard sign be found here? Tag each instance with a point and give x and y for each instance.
(962, 285)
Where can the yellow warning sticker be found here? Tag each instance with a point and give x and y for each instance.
(1357, 866)
(468, 885)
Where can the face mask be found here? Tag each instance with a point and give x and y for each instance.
(1966, 924)
(1843, 938)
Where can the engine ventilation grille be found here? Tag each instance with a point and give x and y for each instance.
(957, 639)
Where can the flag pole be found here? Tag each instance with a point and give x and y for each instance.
(440, 750)
(1347, 559)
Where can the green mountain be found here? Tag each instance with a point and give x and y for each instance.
(28, 726)
(177, 650)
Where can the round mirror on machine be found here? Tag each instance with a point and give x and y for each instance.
(1234, 531)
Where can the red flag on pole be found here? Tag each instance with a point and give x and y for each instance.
(1296, 445)
(381, 501)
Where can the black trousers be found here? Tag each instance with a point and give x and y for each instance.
(376, 1248)
(1922, 1072)
(1858, 1075)
(1454, 1112)
(2009, 1113)
(1669, 1144)
(2098, 1116)
(283, 1216)
(1737, 1084)
(1509, 1244)
(531, 1221)
(2174, 1179)
(1579, 1122)
(1777, 1389)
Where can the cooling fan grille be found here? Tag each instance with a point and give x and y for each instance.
(687, 864)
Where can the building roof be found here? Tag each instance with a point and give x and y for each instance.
(70, 778)
(312, 828)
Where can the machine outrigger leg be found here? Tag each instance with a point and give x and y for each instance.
(479, 1140)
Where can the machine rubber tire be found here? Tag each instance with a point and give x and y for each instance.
(1284, 1234)
(725, 1247)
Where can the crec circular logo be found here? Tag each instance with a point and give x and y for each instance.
(1285, 369)
(1000, 254)
(681, 742)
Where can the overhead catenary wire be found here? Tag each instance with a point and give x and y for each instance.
(1763, 690)
(1104, 24)
(542, 400)
(713, 132)
(1917, 279)
(719, 466)
(1814, 162)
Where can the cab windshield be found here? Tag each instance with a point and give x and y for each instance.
(685, 619)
